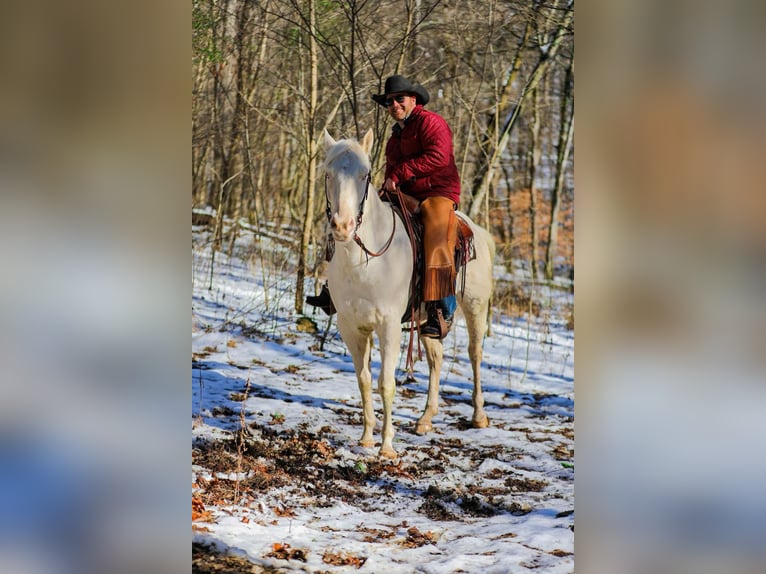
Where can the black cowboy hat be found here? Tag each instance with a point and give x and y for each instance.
(399, 84)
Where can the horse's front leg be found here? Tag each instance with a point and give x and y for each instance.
(434, 356)
(359, 345)
(390, 336)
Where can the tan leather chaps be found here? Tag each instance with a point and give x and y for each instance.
(439, 240)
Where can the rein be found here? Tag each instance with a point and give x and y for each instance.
(359, 216)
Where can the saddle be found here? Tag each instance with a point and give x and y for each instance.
(464, 252)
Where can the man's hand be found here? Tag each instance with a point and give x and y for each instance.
(389, 185)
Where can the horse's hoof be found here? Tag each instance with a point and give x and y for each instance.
(480, 424)
(423, 428)
(367, 443)
(388, 453)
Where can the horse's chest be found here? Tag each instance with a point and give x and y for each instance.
(364, 296)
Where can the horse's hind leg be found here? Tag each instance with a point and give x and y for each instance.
(434, 355)
(476, 320)
(360, 345)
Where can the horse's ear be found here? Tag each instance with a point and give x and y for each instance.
(327, 139)
(367, 142)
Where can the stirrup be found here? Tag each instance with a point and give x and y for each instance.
(437, 326)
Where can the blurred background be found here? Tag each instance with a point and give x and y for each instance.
(94, 179)
(671, 247)
(95, 182)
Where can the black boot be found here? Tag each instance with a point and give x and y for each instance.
(436, 326)
(323, 300)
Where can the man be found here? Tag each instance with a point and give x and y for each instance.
(420, 162)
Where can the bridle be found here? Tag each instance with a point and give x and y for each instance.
(359, 216)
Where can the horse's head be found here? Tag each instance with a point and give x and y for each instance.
(347, 171)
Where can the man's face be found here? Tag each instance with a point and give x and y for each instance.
(400, 105)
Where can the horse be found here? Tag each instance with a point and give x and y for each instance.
(369, 278)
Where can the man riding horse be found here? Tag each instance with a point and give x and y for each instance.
(420, 163)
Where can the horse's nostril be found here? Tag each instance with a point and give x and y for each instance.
(337, 224)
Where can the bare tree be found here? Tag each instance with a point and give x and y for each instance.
(535, 153)
(269, 75)
(566, 131)
(547, 52)
(311, 150)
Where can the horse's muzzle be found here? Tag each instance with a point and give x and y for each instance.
(342, 229)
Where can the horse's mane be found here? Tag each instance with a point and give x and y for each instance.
(343, 153)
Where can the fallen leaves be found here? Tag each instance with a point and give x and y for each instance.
(199, 514)
(376, 534)
(323, 449)
(343, 559)
(562, 452)
(286, 552)
(285, 512)
(523, 484)
(397, 470)
(560, 553)
(416, 538)
(306, 325)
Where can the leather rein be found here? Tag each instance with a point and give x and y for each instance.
(359, 216)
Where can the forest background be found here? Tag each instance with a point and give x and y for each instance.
(269, 76)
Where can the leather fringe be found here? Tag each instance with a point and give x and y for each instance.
(439, 282)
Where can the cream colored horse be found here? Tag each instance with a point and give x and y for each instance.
(369, 278)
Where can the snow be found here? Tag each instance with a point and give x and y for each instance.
(506, 492)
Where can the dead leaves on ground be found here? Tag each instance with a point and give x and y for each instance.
(416, 538)
(376, 534)
(396, 469)
(285, 512)
(199, 514)
(343, 559)
(559, 553)
(286, 552)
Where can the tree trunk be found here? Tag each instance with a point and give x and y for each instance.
(311, 150)
(565, 141)
(535, 153)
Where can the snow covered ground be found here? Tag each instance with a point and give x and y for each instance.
(279, 479)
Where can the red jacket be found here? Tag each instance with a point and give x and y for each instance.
(420, 159)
